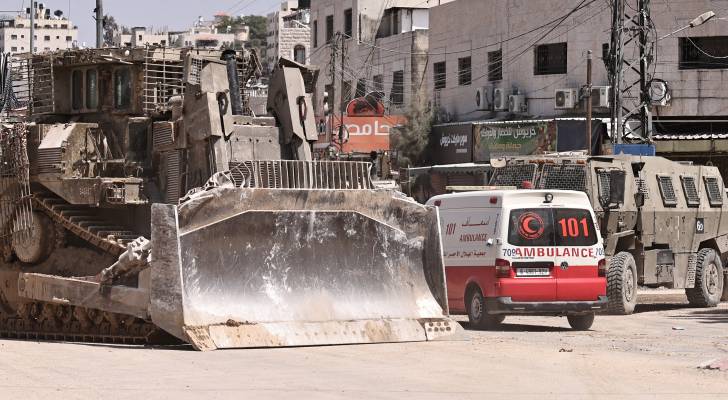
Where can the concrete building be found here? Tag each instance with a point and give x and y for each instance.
(139, 37)
(479, 46)
(205, 34)
(53, 31)
(289, 34)
(386, 50)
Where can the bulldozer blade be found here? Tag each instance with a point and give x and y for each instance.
(240, 267)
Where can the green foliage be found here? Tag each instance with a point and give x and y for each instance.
(412, 139)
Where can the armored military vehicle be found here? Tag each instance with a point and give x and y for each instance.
(140, 197)
(664, 223)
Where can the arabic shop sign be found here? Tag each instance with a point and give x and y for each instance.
(513, 139)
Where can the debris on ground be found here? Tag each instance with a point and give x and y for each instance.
(720, 364)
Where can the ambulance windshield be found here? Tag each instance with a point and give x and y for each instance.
(537, 227)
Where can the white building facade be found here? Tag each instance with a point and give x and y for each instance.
(289, 34)
(53, 32)
(386, 50)
(140, 37)
(480, 49)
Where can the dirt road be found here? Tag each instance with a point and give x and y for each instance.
(653, 354)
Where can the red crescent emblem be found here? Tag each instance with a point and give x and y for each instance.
(530, 226)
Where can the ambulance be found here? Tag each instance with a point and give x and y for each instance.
(528, 252)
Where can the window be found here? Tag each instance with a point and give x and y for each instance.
(396, 97)
(713, 189)
(495, 65)
(329, 28)
(328, 96)
(541, 227)
(550, 59)
(69, 39)
(14, 37)
(315, 34)
(345, 94)
(690, 190)
(122, 88)
(92, 94)
(348, 22)
(361, 88)
(464, 71)
(163, 42)
(58, 37)
(669, 199)
(378, 83)
(139, 38)
(440, 75)
(77, 89)
(708, 52)
(605, 52)
(46, 38)
(13, 49)
(299, 54)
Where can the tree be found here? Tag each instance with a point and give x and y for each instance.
(257, 26)
(111, 28)
(411, 140)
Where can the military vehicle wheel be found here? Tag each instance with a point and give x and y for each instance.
(581, 322)
(477, 314)
(709, 280)
(34, 245)
(622, 284)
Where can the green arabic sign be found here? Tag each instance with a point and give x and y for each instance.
(494, 140)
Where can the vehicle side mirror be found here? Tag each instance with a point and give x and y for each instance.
(489, 242)
(616, 188)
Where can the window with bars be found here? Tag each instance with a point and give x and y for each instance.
(707, 52)
(692, 198)
(667, 190)
(464, 71)
(314, 28)
(378, 83)
(440, 75)
(495, 65)
(713, 189)
(361, 88)
(397, 95)
(550, 59)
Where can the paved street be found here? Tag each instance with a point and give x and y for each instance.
(652, 354)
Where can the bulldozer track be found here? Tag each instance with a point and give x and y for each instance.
(34, 320)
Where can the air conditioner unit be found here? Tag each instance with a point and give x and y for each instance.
(500, 102)
(482, 99)
(600, 96)
(517, 103)
(565, 99)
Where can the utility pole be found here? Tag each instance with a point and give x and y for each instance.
(630, 112)
(588, 102)
(99, 24)
(32, 26)
(342, 106)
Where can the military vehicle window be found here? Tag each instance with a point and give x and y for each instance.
(712, 187)
(604, 186)
(690, 190)
(122, 88)
(92, 94)
(669, 199)
(77, 89)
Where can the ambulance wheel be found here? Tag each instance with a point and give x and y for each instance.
(580, 322)
(477, 313)
(622, 284)
(709, 280)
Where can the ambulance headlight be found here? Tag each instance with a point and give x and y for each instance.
(548, 198)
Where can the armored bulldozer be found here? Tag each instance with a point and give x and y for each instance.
(664, 223)
(142, 201)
